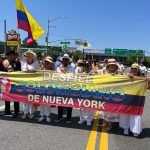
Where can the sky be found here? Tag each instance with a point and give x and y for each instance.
(103, 23)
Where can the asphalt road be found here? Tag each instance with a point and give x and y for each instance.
(18, 134)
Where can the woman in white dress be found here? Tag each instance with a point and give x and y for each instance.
(86, 115)
(132, 122)
(111, 68)
(45, 111)
(28, 64)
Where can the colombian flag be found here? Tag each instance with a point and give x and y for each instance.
(27, 23)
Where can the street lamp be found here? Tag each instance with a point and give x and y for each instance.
(47, 36)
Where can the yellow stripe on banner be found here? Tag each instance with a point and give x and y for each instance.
(104, 139)
(93, 135)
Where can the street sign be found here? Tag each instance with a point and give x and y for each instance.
(65, 42)
(12, 43)
(140, 53)
(65, 48)
(120, 51)
(65, 45)
(108, 51)
(135, 53)
(12, 39)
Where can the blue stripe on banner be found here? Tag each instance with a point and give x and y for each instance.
(22, 16)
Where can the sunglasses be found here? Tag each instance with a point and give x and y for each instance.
(134, 68)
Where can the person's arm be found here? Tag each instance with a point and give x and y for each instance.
(19, 51)
(148, 82)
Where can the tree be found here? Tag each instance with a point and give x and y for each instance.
(77, 55)
(133, 59)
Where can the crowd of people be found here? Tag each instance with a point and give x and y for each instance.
(27, 61)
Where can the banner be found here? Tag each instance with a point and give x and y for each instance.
(117, 94)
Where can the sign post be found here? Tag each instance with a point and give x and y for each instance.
(65, 46)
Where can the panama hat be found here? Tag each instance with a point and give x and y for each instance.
(80, 61)
(49, 59)
(111, 62)
(33, 54)
(66, 56)
(135, 65)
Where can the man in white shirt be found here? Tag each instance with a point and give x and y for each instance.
(64, 68)
(143, 69)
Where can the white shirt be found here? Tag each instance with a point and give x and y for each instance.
(61, 69)
(79, 70)
(143, 69)
(29, 67)
(121, 67)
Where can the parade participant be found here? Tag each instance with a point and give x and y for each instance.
(132, 122)
(111, 68)
(11, 64)
(64, 68)
(143, 69)
(80, 66)
(2, 68)
(96, 66)
(46, 110)
(58, 62)
(28, 64)
(120, 68)
(86, 115)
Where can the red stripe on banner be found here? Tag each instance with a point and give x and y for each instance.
(123, 109)
(108, 107)
(24, 26)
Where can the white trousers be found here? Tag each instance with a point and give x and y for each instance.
(86, 115)
(45, 110)
(28, 108)
(132, 122)
(108, 116)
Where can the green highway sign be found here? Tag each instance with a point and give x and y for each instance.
(131, 53)
(124, 52)
(108, 51)
(120, 51)
(140, 53)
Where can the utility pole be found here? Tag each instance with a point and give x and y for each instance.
(47, 38)
(5, 41)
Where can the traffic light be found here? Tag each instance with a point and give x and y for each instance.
(85, 44)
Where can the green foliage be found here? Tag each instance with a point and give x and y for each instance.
(147, 61)
(133, 59)
(77, 55)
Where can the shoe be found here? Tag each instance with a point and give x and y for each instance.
(41, 119)
(68, 121)
(24, 116)
(88, 123)
(31, 116)
(135, 134)
(7, 113)
(126, 132)
(59, 119)
(48, 119)
(81, 121)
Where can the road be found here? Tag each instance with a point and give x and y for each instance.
(18, 134)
